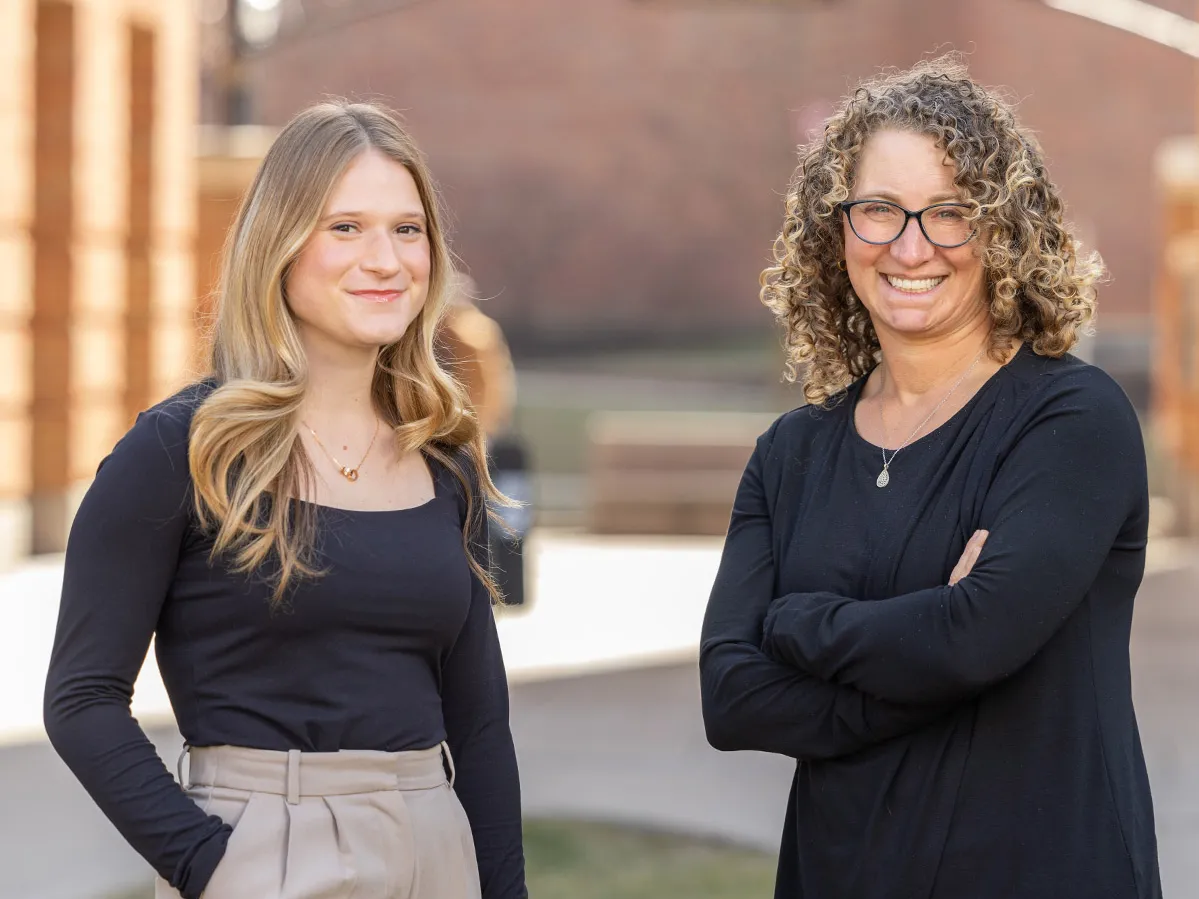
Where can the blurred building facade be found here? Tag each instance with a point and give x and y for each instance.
(1176, 294)
(615, 167)
(1176, 363)
(97, 217)
(614, 170)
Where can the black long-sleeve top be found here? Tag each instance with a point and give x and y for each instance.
(969, 741)
(394, 648)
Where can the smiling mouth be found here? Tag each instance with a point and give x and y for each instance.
(914, 285)
(377, 296)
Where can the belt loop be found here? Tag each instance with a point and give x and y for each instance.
(293, 777)
(449, 760)
(186, 785)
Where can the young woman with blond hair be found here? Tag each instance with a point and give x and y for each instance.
(927, 586)
(304, 534)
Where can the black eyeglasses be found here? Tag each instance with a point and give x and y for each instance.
(880, 222)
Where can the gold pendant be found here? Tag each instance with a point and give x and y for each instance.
(350, 474)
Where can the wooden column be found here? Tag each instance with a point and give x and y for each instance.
(172, 250)
(98, 297)
(1176, 309)
(53, 269)
(228, 159)
(97, 221)
(17, 33)
(139, 283)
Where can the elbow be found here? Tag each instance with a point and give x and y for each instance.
(60, 710)
(54, 721)
(732, 710)
(55, 717)
(729, 731)
(722, 726)
(721, 736)
(716, 727)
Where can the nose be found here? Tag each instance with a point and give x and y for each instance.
(912, 248)
(381, 257)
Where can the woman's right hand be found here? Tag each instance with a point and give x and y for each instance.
(974, 546)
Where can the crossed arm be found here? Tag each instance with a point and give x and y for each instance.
(817, 675)
(753, 701)
(1069, 502)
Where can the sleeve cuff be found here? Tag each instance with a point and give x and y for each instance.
(194, 872)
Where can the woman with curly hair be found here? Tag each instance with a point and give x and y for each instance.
(927, 585)
(304, 535)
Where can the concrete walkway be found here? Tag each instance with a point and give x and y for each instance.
(598, 605)
(605, 713)
(629, 745)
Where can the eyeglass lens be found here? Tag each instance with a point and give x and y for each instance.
(882, 222)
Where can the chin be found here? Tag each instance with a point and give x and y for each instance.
(381, 339)
(910, 322)
(903, 319)
(379, 333)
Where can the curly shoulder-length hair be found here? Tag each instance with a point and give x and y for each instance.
(1041, 285)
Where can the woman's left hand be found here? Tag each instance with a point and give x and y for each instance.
(965, 564)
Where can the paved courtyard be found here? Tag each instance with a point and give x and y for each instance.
(605, 713)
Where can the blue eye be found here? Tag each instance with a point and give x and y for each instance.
(880, 209)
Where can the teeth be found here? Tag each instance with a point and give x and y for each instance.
(912, 286)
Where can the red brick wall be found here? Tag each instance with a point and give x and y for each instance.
(616, 166)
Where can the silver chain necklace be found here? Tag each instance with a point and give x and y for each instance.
(884, 476)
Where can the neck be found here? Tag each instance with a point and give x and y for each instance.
(338, 396)
(912, 368)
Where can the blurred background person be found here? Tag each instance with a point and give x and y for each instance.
(474, 350)
(927, 588)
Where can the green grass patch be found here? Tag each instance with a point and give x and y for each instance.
(577, 860)
(581, 860)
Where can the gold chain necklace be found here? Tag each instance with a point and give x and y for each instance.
(350, 474)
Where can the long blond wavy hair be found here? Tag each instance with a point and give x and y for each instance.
(1041, 285)
(246, 459)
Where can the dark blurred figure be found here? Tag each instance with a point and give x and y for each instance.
(473, 347)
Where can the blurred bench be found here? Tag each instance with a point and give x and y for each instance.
(666, 472)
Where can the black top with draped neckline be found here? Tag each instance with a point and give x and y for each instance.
(976, 740)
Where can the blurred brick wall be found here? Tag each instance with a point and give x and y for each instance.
(16, 261)
(227, 161)
(615, 167)
(96, 227)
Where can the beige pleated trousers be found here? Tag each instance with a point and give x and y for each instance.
(334, 825)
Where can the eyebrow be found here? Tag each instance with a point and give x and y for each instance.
(887, 195)
(356, 214)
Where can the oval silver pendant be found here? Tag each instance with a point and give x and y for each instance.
(884, 478)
